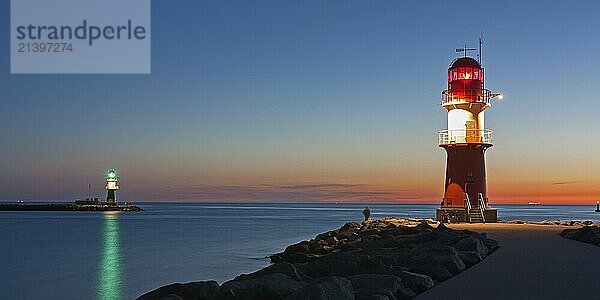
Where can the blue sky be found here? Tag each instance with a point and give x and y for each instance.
(248, 95)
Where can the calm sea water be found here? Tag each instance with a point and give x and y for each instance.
(93, 255)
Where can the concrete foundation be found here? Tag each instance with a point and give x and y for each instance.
(459, 214)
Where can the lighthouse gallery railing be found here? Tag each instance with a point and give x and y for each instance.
(467, 95)
(465, 136)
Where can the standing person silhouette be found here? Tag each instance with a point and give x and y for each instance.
(367, 213)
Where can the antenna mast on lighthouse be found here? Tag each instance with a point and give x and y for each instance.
(480, 49)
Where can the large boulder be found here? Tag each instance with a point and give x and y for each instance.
(201, 290)
(492, 245)
(394, 256)
(350, 226)
(472, 244)
(446, 255)
(418, 283)
(324, 289)
(337, 264)
(282, 267)
(388, 242)
(267, 287)
(441, 226)
(390, 286)
(470, 257)
(296, 253)
(516, 222)
(424, 226)
(429, 266)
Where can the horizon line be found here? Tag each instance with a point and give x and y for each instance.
(305, 202)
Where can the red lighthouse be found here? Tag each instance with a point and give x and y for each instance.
(465, 141)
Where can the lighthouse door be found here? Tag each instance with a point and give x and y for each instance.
(471, 134)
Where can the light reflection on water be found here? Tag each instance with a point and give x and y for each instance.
(109, 274)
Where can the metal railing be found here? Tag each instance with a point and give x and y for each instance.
(465, 136)
(468, 206)
(467, 96)
(482, 206)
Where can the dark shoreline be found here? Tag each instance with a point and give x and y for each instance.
(67, 207)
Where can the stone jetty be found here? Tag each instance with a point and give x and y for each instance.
(67, 207)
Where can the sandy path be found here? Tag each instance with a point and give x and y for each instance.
(533, 262)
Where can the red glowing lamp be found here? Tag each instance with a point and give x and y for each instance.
(465, 81)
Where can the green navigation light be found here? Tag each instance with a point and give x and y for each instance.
(112, 174)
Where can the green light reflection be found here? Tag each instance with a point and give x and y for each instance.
(109, 276)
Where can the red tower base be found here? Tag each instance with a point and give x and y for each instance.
(465, 173)
(465, 179)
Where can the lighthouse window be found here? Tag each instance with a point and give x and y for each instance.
(465, 73)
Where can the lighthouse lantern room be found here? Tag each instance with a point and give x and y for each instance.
(465, 141)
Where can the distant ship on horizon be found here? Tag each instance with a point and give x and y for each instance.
(534, 203)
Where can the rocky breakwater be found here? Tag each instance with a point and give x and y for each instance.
(558, 222)
(380, 259)
(586, 234)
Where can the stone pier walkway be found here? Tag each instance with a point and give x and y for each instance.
(533, 262)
